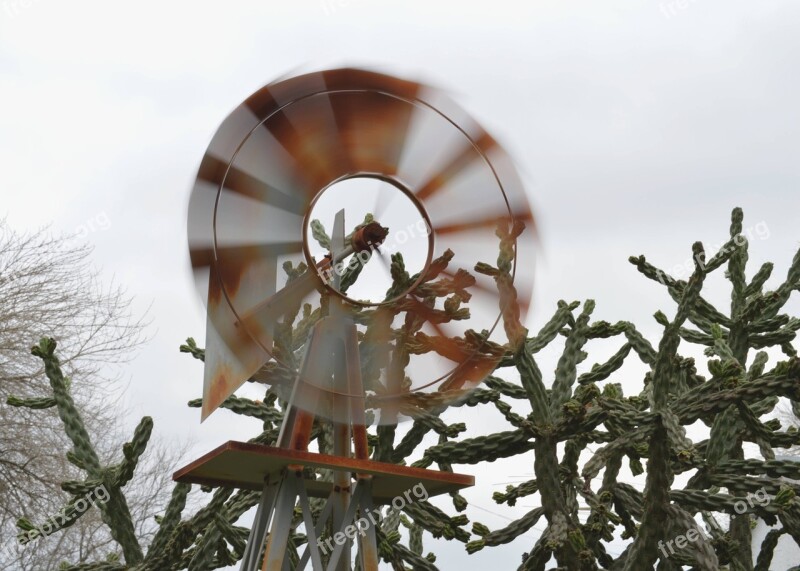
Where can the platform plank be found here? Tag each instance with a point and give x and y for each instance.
(244, 465)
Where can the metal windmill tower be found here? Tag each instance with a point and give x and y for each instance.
(304, 148)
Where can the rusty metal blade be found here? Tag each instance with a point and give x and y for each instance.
(372, 129)
(490, 222)
(265, 315)
(461, 161)
(373, 113)
(429, 315)
(471, 372)
(285, 144)
(241, 255)
(237, 265)
(236, 180)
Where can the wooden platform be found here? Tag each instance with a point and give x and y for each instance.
(243, 465)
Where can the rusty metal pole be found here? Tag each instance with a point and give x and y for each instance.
(348, 421)
(341, 426)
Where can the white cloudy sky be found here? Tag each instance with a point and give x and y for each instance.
(638, 126)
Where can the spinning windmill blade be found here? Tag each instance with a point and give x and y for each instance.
(288, 143)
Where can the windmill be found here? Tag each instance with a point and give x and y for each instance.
(435, 186)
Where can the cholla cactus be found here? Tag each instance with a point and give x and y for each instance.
(573, 409)
(569, 412)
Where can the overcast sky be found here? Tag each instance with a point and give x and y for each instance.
(638, 126)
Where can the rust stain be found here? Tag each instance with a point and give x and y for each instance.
(217, 391)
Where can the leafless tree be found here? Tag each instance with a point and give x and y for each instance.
(48, 287)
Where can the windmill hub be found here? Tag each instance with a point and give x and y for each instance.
(369, 237)
(382, 218)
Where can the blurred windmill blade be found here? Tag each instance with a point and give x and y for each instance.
(260, 320)
(371, 129)
(382, 259)
(307, 133)
(377, 341)
(236, 180)
(264, 171)
(469, 374)
(289, 73)
(465, 216)
(382, 201)
(490, 290)
(337, 122)
(461, 160)
(373, 113)
(492, 221)
(427, 314)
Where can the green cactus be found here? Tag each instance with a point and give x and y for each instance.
(651, 425)
(570, 411)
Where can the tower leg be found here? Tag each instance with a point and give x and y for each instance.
(342, 444)
(311, 530)
(260, 523)
(281, 524)
(337, 338)
(368, 543)
(340, 558)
